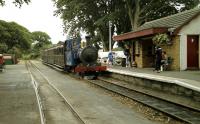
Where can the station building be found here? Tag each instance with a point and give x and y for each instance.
(183, 30)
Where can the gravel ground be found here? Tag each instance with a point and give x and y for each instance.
(146, 111)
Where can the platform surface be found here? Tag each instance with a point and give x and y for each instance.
(18, 104)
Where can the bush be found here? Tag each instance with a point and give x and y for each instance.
(26, 57)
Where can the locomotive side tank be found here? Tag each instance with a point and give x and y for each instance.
(71, 48)
(75, 55)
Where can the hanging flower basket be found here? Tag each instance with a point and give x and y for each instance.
(162, 39)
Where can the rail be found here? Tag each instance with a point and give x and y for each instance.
(174, 110)
(35, 86)
(60, 94)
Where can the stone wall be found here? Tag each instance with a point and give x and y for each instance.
(173, 51)
(139, 54)
(164, 90)
(148, 56)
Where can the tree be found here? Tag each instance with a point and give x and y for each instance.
(141, 11)
(92, 16)
(16, 37)
(3, 47)
(40, 39)
(13, 34)
(16, 2)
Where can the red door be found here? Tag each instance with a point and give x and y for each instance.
(192, 52)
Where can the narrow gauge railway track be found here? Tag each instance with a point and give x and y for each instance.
(180, 112)
(174, 110)
(32, 66)
(35, 86)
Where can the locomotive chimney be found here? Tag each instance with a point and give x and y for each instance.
(88, 41)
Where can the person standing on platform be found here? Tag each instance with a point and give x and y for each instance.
(127, 54)
(110, 58)
(164, 61)
(158, 58)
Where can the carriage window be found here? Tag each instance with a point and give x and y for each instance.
(55, 51)
(62, 50)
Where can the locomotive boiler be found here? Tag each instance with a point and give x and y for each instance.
(88, 55)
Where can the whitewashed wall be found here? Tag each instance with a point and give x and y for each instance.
(192, 28)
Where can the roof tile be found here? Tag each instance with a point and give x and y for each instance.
(173, 21)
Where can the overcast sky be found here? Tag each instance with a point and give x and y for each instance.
(37, 16)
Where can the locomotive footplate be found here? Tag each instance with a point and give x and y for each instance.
(81, 69)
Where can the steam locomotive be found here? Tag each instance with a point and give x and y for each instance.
(73, 58)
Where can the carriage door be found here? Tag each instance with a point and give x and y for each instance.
(192, 52)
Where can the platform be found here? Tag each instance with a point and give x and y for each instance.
(18, 102)
(181, 87)
(188, 79)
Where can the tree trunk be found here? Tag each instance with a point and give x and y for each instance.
(104, 34)
(136, 14)
(105, 41)
(130, 15)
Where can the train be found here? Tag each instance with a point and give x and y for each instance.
(71, 57)
(1, 62)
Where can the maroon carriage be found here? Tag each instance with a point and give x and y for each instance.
(2, 62)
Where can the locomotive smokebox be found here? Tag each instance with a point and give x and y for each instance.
(88, 55)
